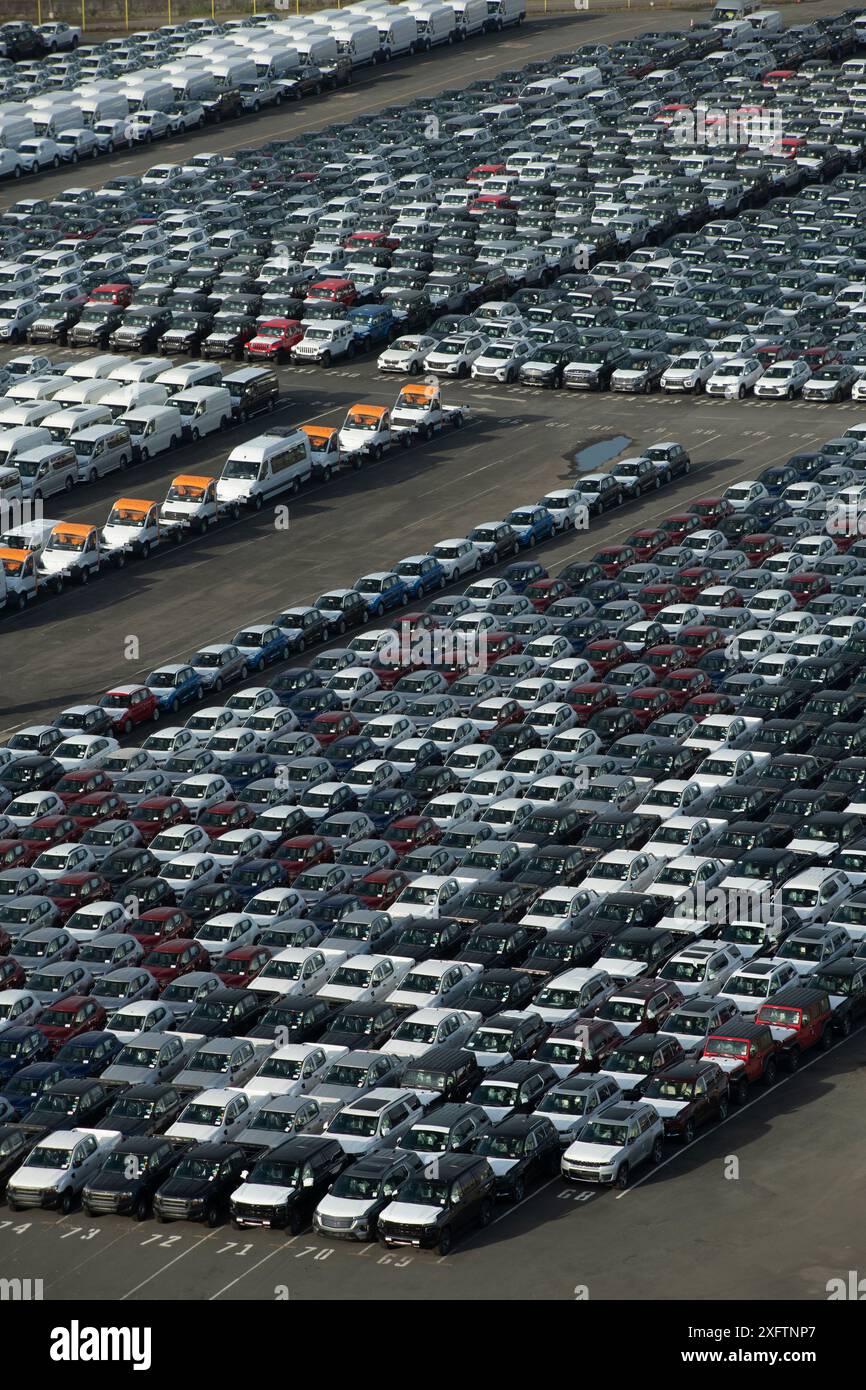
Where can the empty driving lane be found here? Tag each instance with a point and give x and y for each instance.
(758, 1207)
(518, 446)
(396, 83)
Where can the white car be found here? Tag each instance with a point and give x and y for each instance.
(454, 355)
(430, 1027)
(18, 1007)
(227, 931)
(292, 1070)
(296, 971)
(558, 909)
(432, 983)
(735, 377)
(689, 372)
(365, 979)
(190, 870)
(179, 840)
(426, 896)
(742, 495)
(83, 751)
(702, 967)
(622, 871)
(684, 835)
(501, 361)
(57, 1168)
(458, 557)
(616, 1141)
(783, 379)
(211, 1117)
(751, 985)
(406, 354)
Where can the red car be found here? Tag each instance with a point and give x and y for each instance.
(711, 510)
(691, 581)
(759, 547)
(17, 854)
(711, 702)
(415, 623)
(159, 924)
(589, 698)
(699, 640)
(614, 558)
(334, 724)
(381, 887)
(48, 831)
(130, 705)
(224, 816)
(69, 1019)
(12, 974)
(664, 658)
(274, 339)
(411, 832)
(543, 592)
(238, 967)
(71, 891)
(604, 653)
(96, 807)
(647, 703)
(685, 684)
(335, 290)
(500, 644)
(647, 542)
(654, 597)
(73, 785)
(680, 525)
(377, 241)
(302, 852)
(178, 956)
(5, 942)
(158, 813)
(807, 585)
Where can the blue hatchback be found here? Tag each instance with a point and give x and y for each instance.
(89, 1054)
(21, 1046)
(175, 685)
(532, 524)
(382, 590)
(24, 1088)
(243, 768)
(421, 574)
(262, 645)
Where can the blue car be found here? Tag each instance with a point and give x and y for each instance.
(717, 666)
(385, 806)
(778, 477)
(372, 324)
(175, 685)
(327, 911)
(19, 1047)
(262, 645)
(421, 574)
(382, 591)
(532, 524)
(255, 876)
(521, 573)
(242, 769)
(306, 704)
(292, 682)
(766, 512)
(582, 631)
(806, 466)
(345, 753)
(24, 1088)
(89, 1054)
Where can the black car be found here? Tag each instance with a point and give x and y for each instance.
(199, 1188)
(145, 1110)
(461, 1190)
(523, 1148)
(561, 950)
(443, 1073)
(423, 937)
(203, 903)
(226, 1013)
(363, 1025)
(295, 1020)
(70, 1104)
(494, 990)
(501, 943)
(297, 1175)
(845, 983)
(15, 1144)
(130, 1176)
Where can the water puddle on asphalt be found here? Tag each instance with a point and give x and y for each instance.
(592, 456)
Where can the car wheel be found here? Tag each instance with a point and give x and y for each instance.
(142, 1208)
(769, 1076)
(145, 550)
(486, 1214)
(295, 1224)
(341, 627)
(195, 434)
(173, 707)
(445, 1241)
(218, 683)
(67, 1202)
(845, 1026)
(657, 484)
(689, 1132)
(92, 476)
(84, 577)
(741, 1091)
(212, 1215)
(658, 1151)
(21, 603)
(127, 727)
(622, 1177)
(792, 1061)
(243, 672)
(826, 1040)
(741, 391)
(724, 1107)
(55, 163)
(518, 1190)
(144, 455)
(463, 371)
(326, 359)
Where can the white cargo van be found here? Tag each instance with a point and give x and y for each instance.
(437, 24)
(193, 85)
(317, 50)
(34, 388)
(26, 413)
(125, 398)
(583, 79)
(735, 33)
(15, 129)
(269, 464)
(502, 13)
(46, 470)
(11, 493)
(203, 409)
(189, 374)
(139, 370)
(51, 121)
(231, 72)
(153, 429)
(82, 392)
(17, 440)
(149, 95)
(766, 21)
(359, 43)
(101, 449)
(60, 424)
(398, 33)
(95, 368)
(103, 106)
(471, 16)
(733, 9)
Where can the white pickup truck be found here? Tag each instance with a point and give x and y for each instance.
(55, 1171)
(420, 411)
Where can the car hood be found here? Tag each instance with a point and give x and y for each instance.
(410, 1214)
(580, 1152)
(37, 1179)
(344, 1206)
(668, 1108)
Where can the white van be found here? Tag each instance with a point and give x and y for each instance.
(269, 464)
(101, 449)
(766, 21)
(153, 429)
(733, 9)
(471, 16)
(583, 79)
(140, 369)
(502, 13)
(15, 129)
(29, 535)
(34, 388)
(149, 95)
(50, 121)
(193, 85)
(398, 33)
(317, 49)
(203, 409)
(82, 392)
(60, 424)
(437, 24)
(103, 106)
(46, 470)
(189, 374)
(126, 398)
(359, 43)
(735, 33)
(27, 413)
(16, 441)
(96, 368)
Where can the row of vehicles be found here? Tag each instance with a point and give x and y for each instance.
(547, 874)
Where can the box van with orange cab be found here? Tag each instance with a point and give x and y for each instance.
(133, 524)
(74, 551)
(191, 502)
